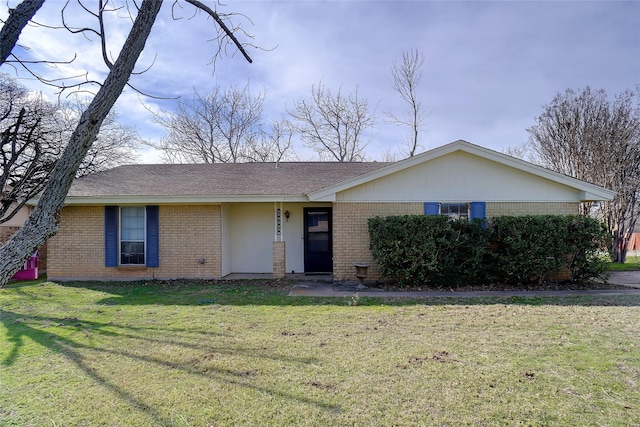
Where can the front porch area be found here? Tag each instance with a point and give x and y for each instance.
(325, 277)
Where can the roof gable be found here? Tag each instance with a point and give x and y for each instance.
(502, 171)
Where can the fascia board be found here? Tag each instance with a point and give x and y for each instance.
(587, 196)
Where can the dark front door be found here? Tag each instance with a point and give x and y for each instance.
(318, 244)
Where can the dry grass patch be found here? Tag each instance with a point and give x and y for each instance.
(194, 354)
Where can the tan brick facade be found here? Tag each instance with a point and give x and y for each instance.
(190, 240)
(189, 245)
(279, 260)
(351, 233)
(532, 208)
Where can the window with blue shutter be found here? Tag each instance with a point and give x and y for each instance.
(131, 236)
(110, 236)
(457, 210)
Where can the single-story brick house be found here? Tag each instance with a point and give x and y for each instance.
(210, 220)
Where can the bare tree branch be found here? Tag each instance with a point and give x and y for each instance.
(29, 145)
(222, 25)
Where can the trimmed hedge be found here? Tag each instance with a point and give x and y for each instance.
(440, 251)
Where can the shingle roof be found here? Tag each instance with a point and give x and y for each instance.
(241, 179)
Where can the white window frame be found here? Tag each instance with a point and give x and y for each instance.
(454, 215)
(120, 241)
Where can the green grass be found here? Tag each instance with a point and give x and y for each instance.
(627, 266)
(632, 263)
(194, 354)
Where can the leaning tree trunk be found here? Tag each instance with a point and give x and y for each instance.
(15, 23)
(43, 222)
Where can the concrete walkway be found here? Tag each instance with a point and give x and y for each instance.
(629, 279)
(625, 278)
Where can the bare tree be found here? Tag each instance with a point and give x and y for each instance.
(34, 133)
(272, 145)
(585, 135)
(30, 137)
(220, 126)
(43, 222)
(116, 143)
(522, 151)
(406, 78)
(333, 125)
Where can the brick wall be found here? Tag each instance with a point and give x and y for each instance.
(532, 208)
(351, 233)
(189, 236)
(279, 260)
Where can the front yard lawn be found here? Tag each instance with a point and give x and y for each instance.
(244, 353)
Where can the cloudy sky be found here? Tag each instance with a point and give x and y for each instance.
(489, 67)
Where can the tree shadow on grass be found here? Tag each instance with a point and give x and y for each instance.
(21, 327)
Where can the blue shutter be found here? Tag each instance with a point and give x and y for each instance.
(111, 236)
(431, 208)
(152, 255)
(478, 210)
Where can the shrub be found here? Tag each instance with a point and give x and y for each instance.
(590, 249)
(526, 248)
(532, 248)
(427, 249)
(440, 251)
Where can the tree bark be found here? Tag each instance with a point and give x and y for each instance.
(17, 20)
(44, 221)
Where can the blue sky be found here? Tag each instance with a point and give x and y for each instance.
(489, 66)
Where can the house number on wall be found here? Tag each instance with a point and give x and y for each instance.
(278, 221)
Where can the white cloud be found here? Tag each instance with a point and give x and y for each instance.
(489, 66)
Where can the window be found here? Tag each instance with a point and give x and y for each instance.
(470, 210)
(132, 235)
(455, 210)
(318, 239)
